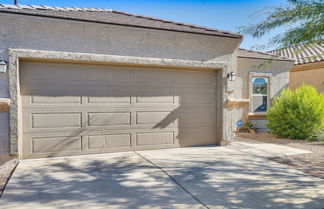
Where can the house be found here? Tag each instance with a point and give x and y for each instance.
(260, 77)
(85, 81)
(308, 67)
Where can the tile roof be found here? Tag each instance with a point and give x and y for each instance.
(109, 16)
(302, 54)
(260, 55)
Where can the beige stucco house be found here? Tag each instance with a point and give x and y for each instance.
(308, 67)
(85, 81)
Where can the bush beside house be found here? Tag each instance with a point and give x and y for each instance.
(297, 114)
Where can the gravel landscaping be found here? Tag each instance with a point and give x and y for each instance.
(312, 163)
(7, 165)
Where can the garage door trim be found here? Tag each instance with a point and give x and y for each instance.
(15, 55)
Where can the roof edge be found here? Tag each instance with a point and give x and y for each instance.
(274, 57)
(311, 52)
(20, 9)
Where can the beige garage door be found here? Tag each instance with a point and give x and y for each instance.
(72, 109)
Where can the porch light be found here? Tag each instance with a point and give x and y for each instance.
(231, 76)
(3, 66)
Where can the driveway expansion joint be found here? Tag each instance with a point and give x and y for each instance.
(173, 179)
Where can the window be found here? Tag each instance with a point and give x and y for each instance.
(260, 94)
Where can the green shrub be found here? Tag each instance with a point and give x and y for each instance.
(297, 114)
(249, 125)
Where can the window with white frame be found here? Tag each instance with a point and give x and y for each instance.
(260, 94)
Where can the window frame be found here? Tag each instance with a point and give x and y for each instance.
(269, 91)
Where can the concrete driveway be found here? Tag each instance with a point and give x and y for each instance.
(237, 176)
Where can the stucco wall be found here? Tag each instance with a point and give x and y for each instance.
(279, 71)
(40, 33)
(76, 36)
(310, 74)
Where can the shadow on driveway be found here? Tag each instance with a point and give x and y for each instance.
(217, 176)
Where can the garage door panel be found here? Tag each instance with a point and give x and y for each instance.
(193, 77)
(121, 74)
(160, 95)
(154, 138)
(196, 116)
(109, 118)
(109, 141)
(55, 99)
(97, 98)
(27, 101)
(154, 76)
(149, 98)
(48, 84)
(96, 108)
(45, 72)
(51, 121)
(88, 130)
(102, 99)
(52, 144)
(197, 98)
(52, 90)
(197, 136)
(153, 117)
(56, 120)
(101, 76)
(108, 95)
(121, 130)
(180, 89)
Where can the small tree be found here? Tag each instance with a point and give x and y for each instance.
(297, 114)
(303, 21)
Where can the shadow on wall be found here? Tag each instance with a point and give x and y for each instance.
(278, 93)
(178, 107)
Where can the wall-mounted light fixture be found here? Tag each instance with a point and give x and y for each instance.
(3, 66)
(231, 76)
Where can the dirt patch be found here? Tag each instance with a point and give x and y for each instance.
(7, 165)
(311, 163)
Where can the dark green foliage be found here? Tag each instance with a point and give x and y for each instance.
(249, 125)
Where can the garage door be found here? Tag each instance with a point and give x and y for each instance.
(72, 109)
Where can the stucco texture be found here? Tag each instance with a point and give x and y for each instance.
(312, 74)
(84, 37)
(278, 71)
(77, 36)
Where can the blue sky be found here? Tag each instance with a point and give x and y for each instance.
(220, 14)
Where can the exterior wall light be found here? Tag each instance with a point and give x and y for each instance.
(3, 66)
(231, 76)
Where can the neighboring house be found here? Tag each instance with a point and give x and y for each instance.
(83, 81)
(309, 65)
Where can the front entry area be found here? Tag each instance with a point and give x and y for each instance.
(73, 109)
